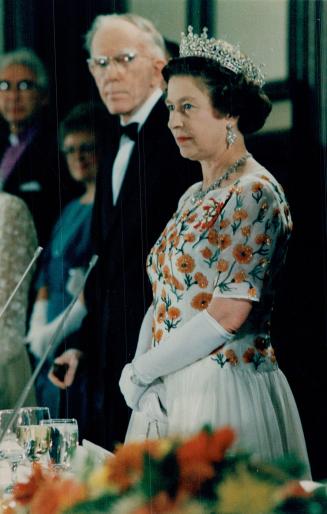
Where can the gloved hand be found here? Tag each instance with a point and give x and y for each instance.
(39, 316)
(131, 390)
(75, 280)
(152, 403)
(41, 337)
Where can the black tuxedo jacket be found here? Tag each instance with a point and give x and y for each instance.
(118, 292)
(41, 179)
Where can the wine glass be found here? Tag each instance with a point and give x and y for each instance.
(10, 450)
(64, 441)
(33, 437)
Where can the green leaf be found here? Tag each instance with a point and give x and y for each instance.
(159, 475)
(95, 506)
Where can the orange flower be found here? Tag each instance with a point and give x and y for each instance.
(163, 294)
(224, 223)
(224, 241)
(201, 280)
(172, 236)
(239, 277)
(243, 253)
(161, 259)
(256, 187)
(231, 357)
(252, 292)
(190, 238)
(185, 263)
(201, 301)
(248, 355)
(24, 492)
(207, 253)
(57, 495)
(192, 218)
(127, 466)
(161, 313)
(154, 287)
(158, 335)
(196, 455)
(175, 241)
(262, 239)
(222, 265)
(213, 236)
(240, 214)
(162, 246)
(173, 313)
(246, 231)
(166, 272)
(176, 283)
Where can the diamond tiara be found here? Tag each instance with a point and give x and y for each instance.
(227, 55)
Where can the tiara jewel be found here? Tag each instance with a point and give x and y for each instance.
(227, 55)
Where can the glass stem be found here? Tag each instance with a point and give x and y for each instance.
(14, 466)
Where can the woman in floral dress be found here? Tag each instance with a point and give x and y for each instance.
(214, 270)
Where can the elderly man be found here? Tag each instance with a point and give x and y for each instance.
(28, 150)
(137, 191)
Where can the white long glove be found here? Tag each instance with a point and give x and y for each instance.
(40, 338)
(193, 341)
(145, 335)
(39, 316)
(152, 403)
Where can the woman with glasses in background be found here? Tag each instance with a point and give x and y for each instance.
(69, 250)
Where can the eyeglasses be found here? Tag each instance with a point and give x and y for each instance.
(99, 64)
(83, 149)
(22, 85)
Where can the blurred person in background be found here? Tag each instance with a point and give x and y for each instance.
(29, 165)
(82, 141)
(18, 243)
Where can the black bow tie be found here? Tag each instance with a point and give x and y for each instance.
(130, 130)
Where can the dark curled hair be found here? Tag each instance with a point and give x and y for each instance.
(86, 117)
(230, 93)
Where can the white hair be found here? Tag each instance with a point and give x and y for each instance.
(145, 26)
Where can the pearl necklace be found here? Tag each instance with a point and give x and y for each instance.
(201, 193)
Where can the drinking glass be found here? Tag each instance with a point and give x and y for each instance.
(10, 450)
(33, 437)
(64, 441)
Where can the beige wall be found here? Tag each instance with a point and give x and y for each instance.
(169, 16)
(258, 26)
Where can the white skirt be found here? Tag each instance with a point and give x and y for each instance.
(258, 405)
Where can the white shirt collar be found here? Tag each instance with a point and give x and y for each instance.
(141, 115)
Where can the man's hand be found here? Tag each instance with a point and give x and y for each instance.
(70, 358)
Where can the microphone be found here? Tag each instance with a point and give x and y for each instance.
(52, 341)
(22, 278)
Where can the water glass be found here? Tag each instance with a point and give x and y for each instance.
(34, 438)
(10, 450)
(63, 441)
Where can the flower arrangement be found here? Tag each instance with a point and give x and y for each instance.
(199, 475)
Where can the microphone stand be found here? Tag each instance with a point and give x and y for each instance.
(52, 341)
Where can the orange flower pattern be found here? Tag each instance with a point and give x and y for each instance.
(222, 246)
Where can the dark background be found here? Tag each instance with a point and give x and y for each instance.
(55, 28)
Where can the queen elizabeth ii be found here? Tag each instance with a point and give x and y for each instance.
(214, 269)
